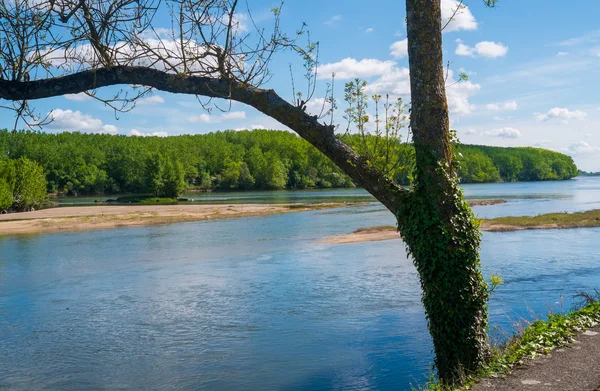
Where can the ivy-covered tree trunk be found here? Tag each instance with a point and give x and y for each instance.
(434, 220)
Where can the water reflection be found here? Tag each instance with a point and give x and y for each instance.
(255, 304)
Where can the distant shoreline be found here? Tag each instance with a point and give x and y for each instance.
(80, 218)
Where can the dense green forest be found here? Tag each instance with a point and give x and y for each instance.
(79, 163)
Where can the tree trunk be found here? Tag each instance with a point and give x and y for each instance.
(435, 222)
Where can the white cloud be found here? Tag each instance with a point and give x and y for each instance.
(399, 49)
(470, 131)
(202, 118)
(562, 53)
(506, 106)
(81, 97)
(211, 119)
(349, 68)
(394, 82)
(135, 132)
(164, 54)
(151, 100)
(233, 115)
(369, 30)
(333, 20)
(397, 82)
(582, 148)
(483, 49)
(317, 106)
(504, 133)
(462, 18)
(458, 95)
(76, 121)
(252, 127)
(562, 115)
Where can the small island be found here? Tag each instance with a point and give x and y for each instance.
(500, 224)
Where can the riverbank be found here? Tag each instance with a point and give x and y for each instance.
(501, 224)
(557, 354)
(103, 216)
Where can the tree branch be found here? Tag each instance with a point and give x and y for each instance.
(266, 101)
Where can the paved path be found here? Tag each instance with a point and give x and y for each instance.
(575, 367)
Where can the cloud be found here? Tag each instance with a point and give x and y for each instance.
(560, 54)
(212, 119)
(482, 49)
(333, 20)
(252, 127)
(369, 30)
(135, 132)
(470, 131)
(152, 100)
(458, 95)
(562, 115)
(233, 115)
(462, 18)
(394, 82)
(397, 83)
(582, 148)
(590, 37)
(399, 49)
(318, 106)
(506, 106)
(349, 68)
(81, 97)
(76, 121)
(165, 54)
(504, 133)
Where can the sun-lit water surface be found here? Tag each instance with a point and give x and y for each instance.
(256, 304)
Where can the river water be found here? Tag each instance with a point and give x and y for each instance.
(258, 304)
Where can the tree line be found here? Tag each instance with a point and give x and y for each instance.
(80, 163)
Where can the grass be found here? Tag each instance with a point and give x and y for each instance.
(539, 338)
(376, 229)
(547, 221)
(144, 200)
(158, 201)
(590, 218)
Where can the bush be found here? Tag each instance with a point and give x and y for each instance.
(26, 182)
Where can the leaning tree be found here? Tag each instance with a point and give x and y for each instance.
(55, 47)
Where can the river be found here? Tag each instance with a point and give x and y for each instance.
(257, 304)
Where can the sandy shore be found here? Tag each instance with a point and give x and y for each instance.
(102, 217)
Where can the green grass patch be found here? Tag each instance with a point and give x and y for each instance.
(589, 218)
(158, 201)
(539, 338)
(144, 200)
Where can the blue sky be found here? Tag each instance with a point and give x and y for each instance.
(533, 66)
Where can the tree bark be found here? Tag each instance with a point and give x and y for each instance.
(436, 223)
(266, 101)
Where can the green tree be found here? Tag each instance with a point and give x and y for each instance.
(27, 182)
(166, 176)
(6, 198)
